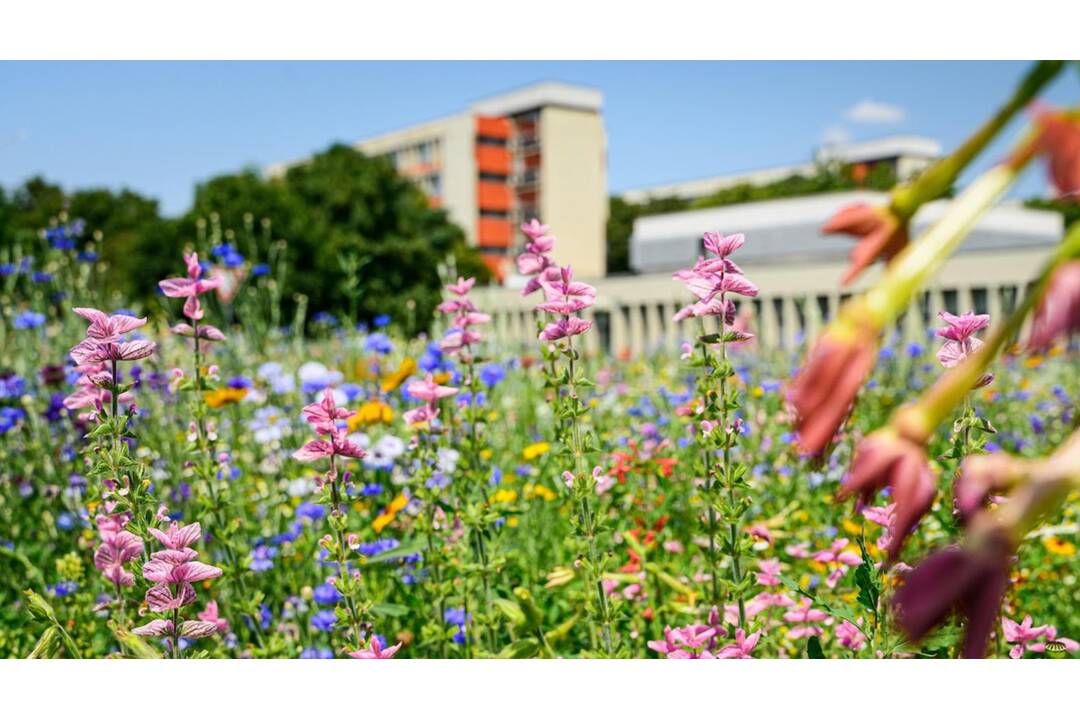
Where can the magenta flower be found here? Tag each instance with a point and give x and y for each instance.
(465, 319)
(981, 475)
(190, 629)
(806, 618)
(850, 636)
(836, 553)
(886, 459)
(968, 582)
(421, 416)
(723, 245)
(376, 651)
(565, 327)
(108, 328)
(118, 547)
(322, 416)
(742, 648)
(462, 287)
(1058, 313)
(1020, 635)
(688, 643)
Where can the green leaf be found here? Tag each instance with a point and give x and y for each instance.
(390, 609)
(511, 610)
(813, 648)
(868, 591)
(521, 649)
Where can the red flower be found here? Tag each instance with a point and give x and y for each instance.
(1060, 140)
(887, 459)
(824, 390)
(879, 232)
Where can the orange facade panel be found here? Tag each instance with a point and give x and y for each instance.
(494, 232)
(492, 159)
(493, 127)
(493, 196)
(497, 264)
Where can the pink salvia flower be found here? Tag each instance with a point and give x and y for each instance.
(118, 547)
(849, 636)
(428, 390)
(1058, 313)
(1020, 635)
(742, 648)
(376, 651)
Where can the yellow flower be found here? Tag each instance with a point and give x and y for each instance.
(391, 381)
(442, 378)
(535, 450)
(1034, 361)
(225, 396)
(1058, 546)
(540, 491)
(382, 521)
(370, 413)
(504, 495)
(852, 527)
(398, 504)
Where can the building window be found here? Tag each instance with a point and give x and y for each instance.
(493, 177)
(436, 184)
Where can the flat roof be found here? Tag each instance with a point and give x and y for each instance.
(789, 230)
(540, 94)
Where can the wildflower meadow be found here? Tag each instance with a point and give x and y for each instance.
(215, 472)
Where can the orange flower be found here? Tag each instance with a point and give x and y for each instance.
(224, 396)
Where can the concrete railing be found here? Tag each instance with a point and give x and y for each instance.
(632, 314)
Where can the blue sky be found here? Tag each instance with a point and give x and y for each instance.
(159, 128)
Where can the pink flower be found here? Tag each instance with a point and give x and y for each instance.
(323, 415)
(825, 388)
(462, 287)
(429, 391)
(761, 532)
(420, 416)
(108, 328)
(1020, 635)
(103, 339)
(879, 234)
(206, 332)
(1064, 643)
(837, 554)
(961, 341)
(722, 245)
(210, 615)
(565, 327)
(850, 636)
(534, 229)
(338, 444)
(770, 572)
(981, 475)
(742, 648)
(535, 261)
(564, 296)
(1058, 312)
(806, 617)
(886, 459)
(118, 547)
(376, 651)
(192, 285)
(174, 571)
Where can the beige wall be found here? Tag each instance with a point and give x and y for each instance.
(640, 307)
(573, 187)
(456, 157)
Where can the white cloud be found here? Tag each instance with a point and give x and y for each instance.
(872, 111)
(835, 135)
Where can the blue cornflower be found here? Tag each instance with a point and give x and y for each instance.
(327, 594)
(63, 588)
(65, 521)
(378, 343)
(9, 417)
(310, 511)
(28, 319)
(262, 558)
(41, 277)
(87, 256)
(260, 269)
(371, 489)
(377, 547)
(324, 620)
(324, 318)
(492, 374)
(380, 320)
(322, 653)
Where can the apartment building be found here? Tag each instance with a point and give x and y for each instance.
(538, 151)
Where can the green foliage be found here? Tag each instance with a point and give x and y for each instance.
(337, 207)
